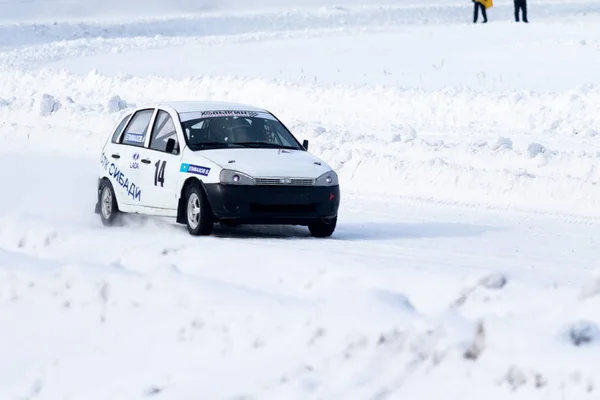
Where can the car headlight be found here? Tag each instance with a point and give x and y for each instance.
(229, 177)
(327, 179)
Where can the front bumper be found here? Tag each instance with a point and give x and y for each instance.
(294, 205)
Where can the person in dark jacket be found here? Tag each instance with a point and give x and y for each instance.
(522, 6)
(478, 5)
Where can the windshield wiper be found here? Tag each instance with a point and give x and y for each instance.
(265, 144)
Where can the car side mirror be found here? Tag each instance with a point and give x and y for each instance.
(170, 146)
(305, 144)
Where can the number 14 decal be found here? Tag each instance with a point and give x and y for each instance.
(159, 173)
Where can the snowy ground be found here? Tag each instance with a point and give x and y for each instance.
(465, 262)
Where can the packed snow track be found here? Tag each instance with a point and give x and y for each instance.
(464, 265)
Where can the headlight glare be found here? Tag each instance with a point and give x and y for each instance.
(229, 177)
(327, 179)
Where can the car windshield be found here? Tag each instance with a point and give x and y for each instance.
(235, 129)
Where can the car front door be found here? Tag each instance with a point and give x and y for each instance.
(126, 154)
(163, 156)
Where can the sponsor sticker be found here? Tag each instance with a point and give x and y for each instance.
(134, 138)
(134, 164)
(120, 178)
(228, 113)
(194, 169)
(187, 116)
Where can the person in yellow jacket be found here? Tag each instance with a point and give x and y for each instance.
(483, 5)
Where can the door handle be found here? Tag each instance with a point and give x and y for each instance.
(146, 161)
(115, 156)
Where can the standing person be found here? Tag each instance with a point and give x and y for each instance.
(521, 5)
(479, 5)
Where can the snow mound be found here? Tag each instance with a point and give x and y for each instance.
(534, 149)
(116, 104)
(591, 288)
(403, 133)
(502, 143)
(584, 333)
(494, 281)
(47, 105)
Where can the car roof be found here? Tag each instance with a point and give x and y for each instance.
(193, 106)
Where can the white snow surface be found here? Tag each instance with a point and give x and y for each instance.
(465, 263)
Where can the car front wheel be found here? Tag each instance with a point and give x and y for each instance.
(323, 227)
(198, 216)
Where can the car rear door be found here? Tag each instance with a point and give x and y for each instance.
(126, 155)
(163, 158)
(110, 159)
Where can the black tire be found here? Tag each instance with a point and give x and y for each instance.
(323, 228)
(107, 200)
(198, 222)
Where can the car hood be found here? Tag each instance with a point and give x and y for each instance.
(269, 162)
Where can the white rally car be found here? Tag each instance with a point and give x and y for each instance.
(205, 163)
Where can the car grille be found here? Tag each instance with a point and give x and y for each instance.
(284, 181)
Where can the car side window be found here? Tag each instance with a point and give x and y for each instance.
(163, 130)
(135, 134)
(119, 128)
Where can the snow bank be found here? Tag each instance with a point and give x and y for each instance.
(43, 10)
(170, 334)
(370, 142)
(48, 21)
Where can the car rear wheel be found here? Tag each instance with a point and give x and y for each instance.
(323, 228)
(198, 216)
(108, 203)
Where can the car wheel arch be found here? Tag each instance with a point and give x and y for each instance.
(181, 217)
(111, 215)
(105, 179)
